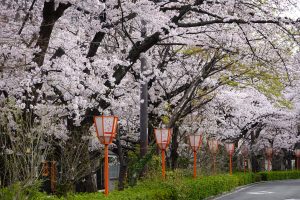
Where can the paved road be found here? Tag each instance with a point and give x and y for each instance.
(277, 190)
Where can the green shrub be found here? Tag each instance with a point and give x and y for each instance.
(18, 191)
(154, 164)
(146, 190)
(207, 186)
(177, 186)
(178, 174)
(279, 175)
(143, 191)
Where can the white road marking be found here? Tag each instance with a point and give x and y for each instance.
(236, 191)
(292, 199)
(260, 192)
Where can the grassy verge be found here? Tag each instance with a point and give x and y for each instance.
(176, 187)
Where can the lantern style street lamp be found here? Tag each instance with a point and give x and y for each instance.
(230, 149)
(245, 153)
(213, 147)
(195, 143)
(106, 128)
(297, 153)
(269, 152)
(163, 137)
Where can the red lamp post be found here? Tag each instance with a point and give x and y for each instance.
(213, 147)
(269, 152)
(230, 150)
(163, 137)
(245, 153)
(106, 128)
(297, 153)
(195, 143)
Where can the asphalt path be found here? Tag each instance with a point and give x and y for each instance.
(275, 190)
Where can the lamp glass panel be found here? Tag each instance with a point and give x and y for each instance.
(157, 133)
(108, 125)
(213, 145)
(245, 151)
(297, 152)
(99, 126)
(230, 147)
(162, 137)
(269, 150)
(195, 141)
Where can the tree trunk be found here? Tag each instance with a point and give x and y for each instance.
(277, 162)
(123, 164)
(255, 164)
(288, 165)
(174, 148)
(122, 175)
(143, 104)
(91, 185)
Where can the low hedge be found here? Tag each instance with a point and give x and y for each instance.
(279, 175)
(143, 191)
(211, 185)
(174, 188)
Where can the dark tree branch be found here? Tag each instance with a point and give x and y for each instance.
(141, 47)
(190, 91)
(50, 16)
(58, 53)
(26, 17)
(229, 21)
(95, 44)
